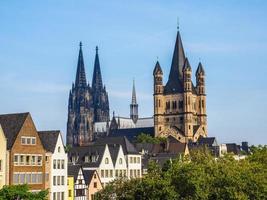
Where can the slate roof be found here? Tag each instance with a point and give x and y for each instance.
(114, 150)
(88, 175)
(132, 133)
(210, 141)
(233, 148)
(11, 125)
(90, 150)
(73, 170)
(127, 147)
(49, 139)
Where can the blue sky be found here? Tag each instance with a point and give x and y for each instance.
(39, 49)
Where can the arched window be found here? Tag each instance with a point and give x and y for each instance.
(58, 149)
(106, 161)
(120, 160)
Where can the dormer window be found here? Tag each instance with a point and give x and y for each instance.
(106, 161)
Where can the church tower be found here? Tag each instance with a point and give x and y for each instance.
(134, 106)
(100, 95)
(179, 106)
(87, 105)
(80, 112)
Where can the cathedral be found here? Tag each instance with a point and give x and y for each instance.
(179, 106)
(87, 104)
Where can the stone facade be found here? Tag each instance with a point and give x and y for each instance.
(87, 105)
(179, 106)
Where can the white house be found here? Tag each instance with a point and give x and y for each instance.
(53, 143)
(111, 157)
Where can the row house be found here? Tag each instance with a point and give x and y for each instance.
(25, 154)
(86, 183)
(112, 157)
(56, 168)
(3, 158)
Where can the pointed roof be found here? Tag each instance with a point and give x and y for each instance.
(174, 83)
(187, 65)
(11, 125)
(157, 69)
(134, 101)
(49, 139)
(200, 69)
(97, 78)
(80, 74)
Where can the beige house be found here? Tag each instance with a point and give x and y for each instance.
(3, 159)
(179, 106)
(93, 183)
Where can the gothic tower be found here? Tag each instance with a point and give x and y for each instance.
(80, 112)
(100, 95)
(179, 106)
(87, 105)
(134, 106)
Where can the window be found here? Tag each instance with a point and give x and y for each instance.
(23, 140)
(16, 159)
(80, 181)
(58, 149)
(21, 160)
(62, 164)
(58, 164)
(134, 159)
(33, 141)
(106, 173)
(47, 177)
(0, 165)
(54, 195)
(111, 173)
(106, 161)
(116, 173)
(181, 104)
(27, 160)
(62, 195)
(28, 178)
(39, 178)
(70, 195)
(131, 159)
(15, 178)
(95, 184)
(28, 140)
(33, 160)
(138, 159)
(58, 195)
(34, 178)
(54, 164)
(58, 180)
(22, 178)
(102, 173)
(120, 160)
(80, 192)
(94, 176)
(46, 158)
(39, 160)
(62, 180)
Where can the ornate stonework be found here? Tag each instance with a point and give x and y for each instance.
(179, 106)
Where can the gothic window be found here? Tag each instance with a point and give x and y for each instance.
(181, 103)
(181, 119)
(167, 105)
(174, 105)
(159, 102)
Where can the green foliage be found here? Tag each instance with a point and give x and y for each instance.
(19, 192)
(145, 138)
(199, 177)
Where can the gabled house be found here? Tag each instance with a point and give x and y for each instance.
(3, 158)
(80, 187)
(57, 161)
(93, 183)
(110, 157)
(26, 154)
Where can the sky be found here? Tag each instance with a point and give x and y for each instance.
(39, 43)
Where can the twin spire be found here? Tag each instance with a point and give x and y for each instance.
(81, 75)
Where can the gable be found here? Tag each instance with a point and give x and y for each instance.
(28, 130)
(106, 157)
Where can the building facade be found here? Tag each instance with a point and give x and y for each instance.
(3, 158)
(87, 104)
(53, 143)
(70, 184)
(179, 106)
(26, 154)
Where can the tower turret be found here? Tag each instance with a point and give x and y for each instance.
(134, 106)
(188, 101)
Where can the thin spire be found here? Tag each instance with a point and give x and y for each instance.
(80, 74)
(97, 78)
(178, 59)
(134, 101)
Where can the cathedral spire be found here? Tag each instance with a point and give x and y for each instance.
(80, 74)
(134, 106)
(134, 94)
(97, 78)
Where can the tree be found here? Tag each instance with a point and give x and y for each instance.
(145, 138)
(21, 192)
